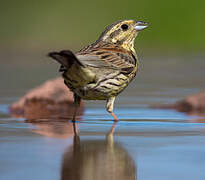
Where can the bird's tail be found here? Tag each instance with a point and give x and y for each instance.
(75, 72)
(65, 58)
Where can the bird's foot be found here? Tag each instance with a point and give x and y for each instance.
(115, 117)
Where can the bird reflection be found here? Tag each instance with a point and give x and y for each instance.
(97, 160)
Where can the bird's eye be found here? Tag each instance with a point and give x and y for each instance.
(124, 27)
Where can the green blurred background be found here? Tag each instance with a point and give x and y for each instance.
(176, 25)
(31, 29)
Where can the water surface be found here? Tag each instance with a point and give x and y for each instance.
(145, 144)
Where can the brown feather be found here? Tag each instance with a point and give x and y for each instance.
(111, 54)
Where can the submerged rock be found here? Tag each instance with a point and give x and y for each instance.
(51, 99)
(193, 104)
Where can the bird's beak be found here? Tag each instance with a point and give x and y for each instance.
(140, 25)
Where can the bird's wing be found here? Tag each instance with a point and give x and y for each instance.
(107, 57)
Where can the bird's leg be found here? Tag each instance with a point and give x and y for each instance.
(76, 103)
(109, 107)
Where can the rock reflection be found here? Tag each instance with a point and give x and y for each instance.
(53, 128)
(97, 160)
(53, 122)
(196, 116)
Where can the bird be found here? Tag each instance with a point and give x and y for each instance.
(103, 69)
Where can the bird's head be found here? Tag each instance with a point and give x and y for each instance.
(123, 33)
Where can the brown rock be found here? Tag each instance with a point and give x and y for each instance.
(191, 104)
(51, 99)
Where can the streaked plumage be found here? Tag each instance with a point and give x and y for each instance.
(103, 69)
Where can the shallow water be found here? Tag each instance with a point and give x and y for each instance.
(146, 144)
